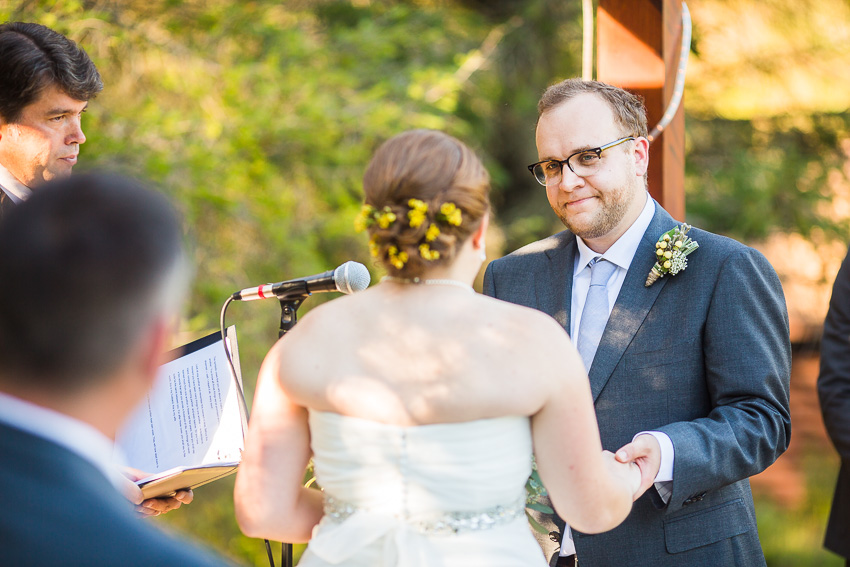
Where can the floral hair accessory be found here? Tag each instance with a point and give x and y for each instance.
(432, 233)
(428, 254)
(418, 212)
(365, 218)
(397, 259)
(386, 217)
(374, 249)
(671, 253)
(450, 214)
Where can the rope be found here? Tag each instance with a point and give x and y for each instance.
(587, 40)
(679, 85)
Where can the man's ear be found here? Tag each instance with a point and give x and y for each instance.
(641, 153)
(153, 347)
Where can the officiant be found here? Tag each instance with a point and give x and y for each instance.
(46, 81)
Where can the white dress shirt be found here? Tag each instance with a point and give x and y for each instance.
(76, 436)
(10, 185)
(620, 254)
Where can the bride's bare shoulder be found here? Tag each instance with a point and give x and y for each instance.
(534, 325)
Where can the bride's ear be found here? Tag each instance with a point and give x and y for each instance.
(481, 232)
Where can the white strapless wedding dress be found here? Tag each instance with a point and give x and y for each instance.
(444, 495)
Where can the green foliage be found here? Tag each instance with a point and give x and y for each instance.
(748, 178)
(759, 58)
(793, 537)
(258, 119)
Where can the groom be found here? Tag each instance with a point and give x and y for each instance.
(690, 375)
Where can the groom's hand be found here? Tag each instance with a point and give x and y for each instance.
(645, 452)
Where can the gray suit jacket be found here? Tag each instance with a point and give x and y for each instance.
(703, 356)
(60, 510)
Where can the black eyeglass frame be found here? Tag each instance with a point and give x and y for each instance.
(598, 151)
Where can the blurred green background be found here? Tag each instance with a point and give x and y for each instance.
(258, 119)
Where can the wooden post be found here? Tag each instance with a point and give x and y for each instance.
(639, 42)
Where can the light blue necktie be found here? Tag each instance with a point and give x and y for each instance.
(594, 317)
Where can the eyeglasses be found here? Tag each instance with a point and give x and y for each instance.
(583, 163)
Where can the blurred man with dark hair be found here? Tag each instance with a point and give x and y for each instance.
(92, 274)
(46, 81)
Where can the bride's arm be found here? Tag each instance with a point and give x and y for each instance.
(588, 487)
(270, 500)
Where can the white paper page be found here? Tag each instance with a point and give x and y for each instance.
(190, 418)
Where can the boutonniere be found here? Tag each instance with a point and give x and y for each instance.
(671, 253)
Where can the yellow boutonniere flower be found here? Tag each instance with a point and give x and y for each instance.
(671, 250)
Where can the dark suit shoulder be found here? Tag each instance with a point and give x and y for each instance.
(721, 253)
(717, 242)
(533, 250)
(6, 205)
(66, 512)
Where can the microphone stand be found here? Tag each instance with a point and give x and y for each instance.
(288, 313)
(289, 305)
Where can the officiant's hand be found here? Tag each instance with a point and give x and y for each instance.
(645, 452)
(152, 506)
(157, 506)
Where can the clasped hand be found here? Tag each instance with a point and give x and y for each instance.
(644, 452)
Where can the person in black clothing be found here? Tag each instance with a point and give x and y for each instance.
(834, 393)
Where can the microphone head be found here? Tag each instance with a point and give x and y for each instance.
(351, 277)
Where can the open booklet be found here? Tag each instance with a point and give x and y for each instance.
(190, 429)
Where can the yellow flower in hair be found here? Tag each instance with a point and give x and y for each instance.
(418, 212)
(426, 252)
(418, 205)
(397, 259)
(374, 249)
(364, 218)
(386, 218)
(416, 218)
(432, 233)
(451, 213)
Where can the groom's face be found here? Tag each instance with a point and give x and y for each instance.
(601, 206)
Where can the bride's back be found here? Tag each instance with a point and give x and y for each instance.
(410, 354)
(421, 379)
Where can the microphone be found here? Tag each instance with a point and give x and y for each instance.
(347, 278)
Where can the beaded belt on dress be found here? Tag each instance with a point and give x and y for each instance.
(445, 524)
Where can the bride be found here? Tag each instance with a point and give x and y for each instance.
(421, 401)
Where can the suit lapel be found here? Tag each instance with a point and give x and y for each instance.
(554, 290)
(632, 305)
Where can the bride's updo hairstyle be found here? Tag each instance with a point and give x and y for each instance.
(426, 193)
